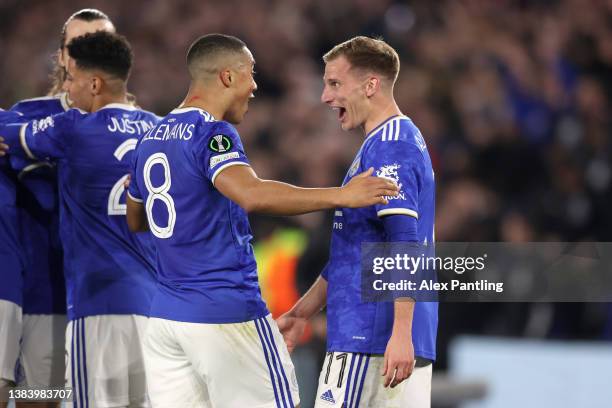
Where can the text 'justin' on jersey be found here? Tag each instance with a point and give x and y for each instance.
(108, 270)
(206, 268)
(397, 151)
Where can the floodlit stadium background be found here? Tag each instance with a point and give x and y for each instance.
(513, 99)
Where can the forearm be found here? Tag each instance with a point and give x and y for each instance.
(274, 197)
(402, 317)
(11, 134)
(312, 302)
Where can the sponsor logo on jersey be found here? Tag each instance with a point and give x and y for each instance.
(390, 173)
(222, 157)
(354, 166)
(220, 144)
(328, 396)
(42, 124)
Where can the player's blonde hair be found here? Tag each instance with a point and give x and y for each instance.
(368, 54)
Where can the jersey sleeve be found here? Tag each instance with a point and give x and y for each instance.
(403, 163)
(44, 138)
(221, 149)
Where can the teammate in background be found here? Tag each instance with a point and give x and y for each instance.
(11, 290)
(372, 346)
(109, 271)
(192, 186)
(42, 361)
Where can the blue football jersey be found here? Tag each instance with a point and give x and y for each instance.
(108, 270)
(206, 268)
(397, 151)
(11, 256)
(44, 287)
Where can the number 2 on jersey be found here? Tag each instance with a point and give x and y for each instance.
(159, 193)
(114, 205)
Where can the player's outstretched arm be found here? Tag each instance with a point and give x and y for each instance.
(293, 323)
(241, 185)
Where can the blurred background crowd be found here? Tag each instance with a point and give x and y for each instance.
(512, 97)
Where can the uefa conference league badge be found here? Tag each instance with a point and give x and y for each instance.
(220, 144)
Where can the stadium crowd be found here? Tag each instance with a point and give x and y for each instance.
(513, 99)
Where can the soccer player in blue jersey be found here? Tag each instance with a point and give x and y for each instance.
(41, 361)
(211, 340)
(11, 265)
(372, 346)
(109, 271)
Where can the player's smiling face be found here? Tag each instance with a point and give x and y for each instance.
(245, 88)
(78, 86)
(344, 92)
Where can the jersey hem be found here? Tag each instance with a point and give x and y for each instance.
(226, 165)
(398, 211)
(205, 320)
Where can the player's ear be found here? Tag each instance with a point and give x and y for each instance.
(226, 77)
(372, 85)
(96, 85)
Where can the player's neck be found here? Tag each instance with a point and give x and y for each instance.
(381, 111)
(201, 97)
(102, 100)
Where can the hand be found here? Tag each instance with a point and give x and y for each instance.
(363, 190)
(126, 183)
(398, 361)
(291, 328)
(3, 147)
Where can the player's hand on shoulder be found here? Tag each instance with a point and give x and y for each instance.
(291, 328)
(3, 147)
(399, 360)
(364, 190)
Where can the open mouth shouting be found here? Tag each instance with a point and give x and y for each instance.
(341, 112)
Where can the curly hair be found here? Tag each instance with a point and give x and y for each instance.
(108, 52)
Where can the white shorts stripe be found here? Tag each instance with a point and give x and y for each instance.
(363, 375)
(271, 361)
(356, 380)
(280, 363)
(84, 364)
(265, 350)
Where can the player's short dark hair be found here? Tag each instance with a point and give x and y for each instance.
(108, 52)
(368, 54)
(210, 46)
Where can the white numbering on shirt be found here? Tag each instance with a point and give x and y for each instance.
(159, 193)
(114, 205)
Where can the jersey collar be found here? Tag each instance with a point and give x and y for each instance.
(386, 121)
(123, 106)
(192, 108)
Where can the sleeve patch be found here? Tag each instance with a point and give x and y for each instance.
(220, 143)
(223, 157)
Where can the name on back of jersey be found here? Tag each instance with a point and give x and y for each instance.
(168, 131)
(125, 125)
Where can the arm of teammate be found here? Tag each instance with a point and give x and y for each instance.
(293, 323)
(136, 215)
(222, 159)
(241, 185)
(46, 138)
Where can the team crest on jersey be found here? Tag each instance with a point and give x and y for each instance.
(389, 172)
(354, 166)
(220, 144)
